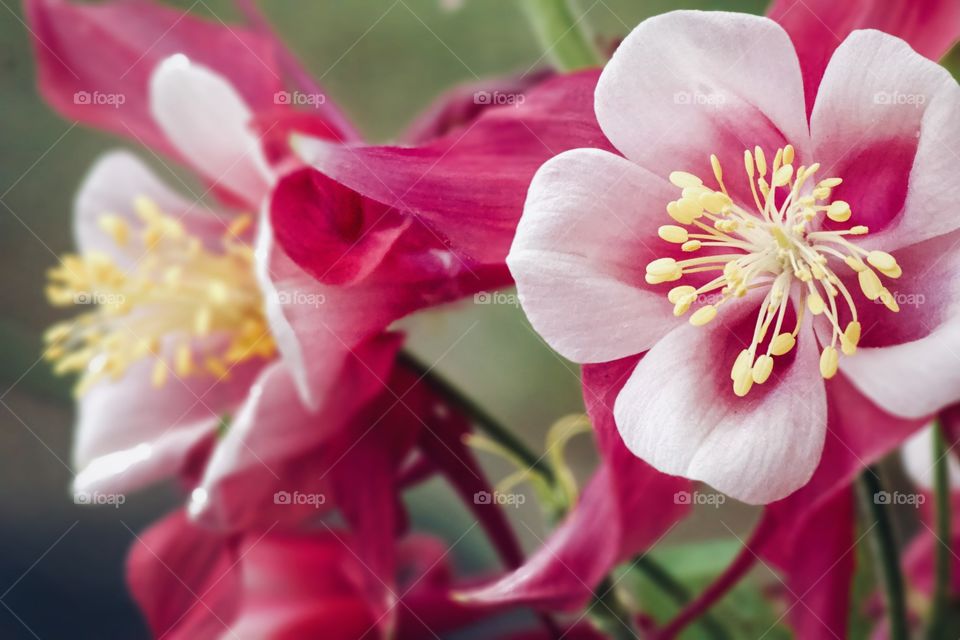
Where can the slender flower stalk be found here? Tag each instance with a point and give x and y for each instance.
(561, 35)
(669, 585)
(941, 485)
(610, 615)
(885, 551)
(486, 422)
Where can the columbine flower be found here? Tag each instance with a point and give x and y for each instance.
(797, 249)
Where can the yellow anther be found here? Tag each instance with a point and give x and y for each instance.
(662, 267)
(762, 369)
(855, 263)
(829, 360)
(859, 230)
(815, 303)
(703, 315)
(239, 225)
(679, 293)
(788, 153)
(690, 245)
(748, 163)
(684, 180)
(870, 284)
(850, 339)
(783, 175)
(830, 183)
(743, 363)
(885, 263)
(839, 211)
(116, 227)
(761, 161)
(743, 383)
(888, 300)
(184, 360)
(717, 169)
(159, 375)
(715, 201)
(782, 344)
(673, 233)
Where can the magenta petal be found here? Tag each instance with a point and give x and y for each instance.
(332, 232)
(89, 53)
(817, 27)
(184, 579)
(469, 186)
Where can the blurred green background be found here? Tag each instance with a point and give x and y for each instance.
(383, 62)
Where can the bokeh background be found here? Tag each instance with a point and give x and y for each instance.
(61, 565)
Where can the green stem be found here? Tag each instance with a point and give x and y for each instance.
(941, 486)
(609, 615)
(487, 423)
(885, 552)
(659, 575)
(562, 37)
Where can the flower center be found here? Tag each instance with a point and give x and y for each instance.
(189, 308)
(776, 248)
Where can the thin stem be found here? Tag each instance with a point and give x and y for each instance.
(562, 37)
(609, 615)
(941, 486)
(659, 575)
(487, 423)
(885, 551)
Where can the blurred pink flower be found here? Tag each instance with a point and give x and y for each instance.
(707, 401)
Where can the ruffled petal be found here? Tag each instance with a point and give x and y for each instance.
(588, 230)
(678, 412)
(208, 122)
(817, 27)
(468, 187)
(687, 84)
(884, 121)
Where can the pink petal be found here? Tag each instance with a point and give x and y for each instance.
(678, 412)
(884, 123)
(130, 433)
(687, 84)
(111, 48)
(274, 443)
(589, 228)
(208, 122)
(112, 185)
(468, 187)
(817, 27)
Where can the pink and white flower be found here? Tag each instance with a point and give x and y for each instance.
(788, 239)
